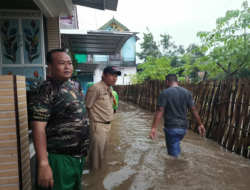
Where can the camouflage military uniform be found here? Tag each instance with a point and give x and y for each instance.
(67, 131)
(62, 107)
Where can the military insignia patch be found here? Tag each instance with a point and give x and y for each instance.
(73, 94)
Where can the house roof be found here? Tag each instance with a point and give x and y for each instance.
(96, 42)
(113, 21)
(98, 4)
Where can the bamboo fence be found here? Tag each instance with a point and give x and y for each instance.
(223, 106)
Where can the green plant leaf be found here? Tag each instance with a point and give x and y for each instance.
(34, 57)
(34, 51)
(5, 44)
(37, 30)
(15, 47)
(36, 45)
(27, 47)
(9, 57)
(29, 38)
(9, 51)
(12, 39)
(3, 31)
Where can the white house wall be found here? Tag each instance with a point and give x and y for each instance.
(97, 75)
(128, 50)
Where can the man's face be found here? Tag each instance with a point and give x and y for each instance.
(61, 68)
(109, 79)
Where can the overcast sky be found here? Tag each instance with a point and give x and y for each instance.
(182, 19)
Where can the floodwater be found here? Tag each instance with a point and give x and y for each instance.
(134, 161)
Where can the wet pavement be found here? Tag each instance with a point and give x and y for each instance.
(134, 161)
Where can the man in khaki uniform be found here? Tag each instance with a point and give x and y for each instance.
(98, 102)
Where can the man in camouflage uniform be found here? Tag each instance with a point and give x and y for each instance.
(60, 127)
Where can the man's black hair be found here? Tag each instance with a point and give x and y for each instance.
(49, 57)
(171, 78)
(105, 75)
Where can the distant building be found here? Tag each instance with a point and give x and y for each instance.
(125, 60)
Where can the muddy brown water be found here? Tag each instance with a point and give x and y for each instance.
(134, 161)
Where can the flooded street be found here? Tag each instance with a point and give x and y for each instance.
(134, 161)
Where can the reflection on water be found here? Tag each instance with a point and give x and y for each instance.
(134, 161)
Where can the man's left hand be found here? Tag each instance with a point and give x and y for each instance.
(153, 133)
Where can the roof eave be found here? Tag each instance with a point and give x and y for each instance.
(55, 8)
(106, 4)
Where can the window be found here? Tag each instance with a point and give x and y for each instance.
(116, 57)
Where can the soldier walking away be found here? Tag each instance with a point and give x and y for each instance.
(173, 102)
(99, 100)
(60, 127)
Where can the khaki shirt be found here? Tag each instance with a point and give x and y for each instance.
(99, 100)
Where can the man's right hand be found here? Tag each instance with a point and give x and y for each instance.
(202, 130)
(45, 176)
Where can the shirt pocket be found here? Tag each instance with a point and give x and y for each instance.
(105, 97)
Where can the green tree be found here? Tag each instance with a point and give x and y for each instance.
(168, 46)
(171, 50)
(228, 45)
(149, 47)
(193, 54)
(195, 51)
(159, 60)
(154, 69)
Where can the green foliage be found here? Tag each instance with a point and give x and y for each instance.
(155, 69)
(228, 45)
(191, 68)
(225, 52)
(166, 44)
(148, 46)
(158, 63)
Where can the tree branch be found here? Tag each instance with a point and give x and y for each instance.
(239, 67)
(222, 68)
(229, 66)
(217, 76)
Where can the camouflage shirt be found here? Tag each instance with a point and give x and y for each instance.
(62, 107)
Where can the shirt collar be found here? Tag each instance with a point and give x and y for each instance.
(106, 87)
(58, 81)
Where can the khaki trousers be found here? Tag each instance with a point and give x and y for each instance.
(99, 138)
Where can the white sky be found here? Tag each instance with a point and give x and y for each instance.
(182, 19)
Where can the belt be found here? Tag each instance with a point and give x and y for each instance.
(101, 122)
(104, 122)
